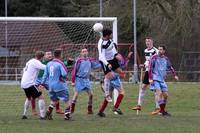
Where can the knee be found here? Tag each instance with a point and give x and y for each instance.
(122, 92)
(158, 93)
(41, 97)
(144, 86)
(165, 95)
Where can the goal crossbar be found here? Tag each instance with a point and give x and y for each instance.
(65, 19)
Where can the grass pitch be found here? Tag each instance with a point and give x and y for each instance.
(183, 104)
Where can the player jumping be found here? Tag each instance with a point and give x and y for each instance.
(109, 58)
(115, 83)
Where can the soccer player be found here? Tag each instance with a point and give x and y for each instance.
(109, 58)
(115, 83)
(56, 74)
(80, 78)
(159, 65)
(28, 83)
(148, 52)
(48, 56)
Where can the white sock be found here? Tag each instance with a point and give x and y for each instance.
(157, 104)
(26, 106)
(41, 105)
(106, 86)
(156, 101)
(141, 96)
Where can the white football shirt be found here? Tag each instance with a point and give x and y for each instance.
(148, 54)
(107, 50)
(30, 73)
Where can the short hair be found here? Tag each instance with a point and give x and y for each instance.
(148, 37)
(107, 32)
(57, 53)
(39, 54)
(162, 46)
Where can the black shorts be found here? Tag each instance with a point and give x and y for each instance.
(32, 92)
(113, 62)
(146, 78)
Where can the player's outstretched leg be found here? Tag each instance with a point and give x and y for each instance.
(120, 97)
(107, 87)
(102, 108)
(157, 109)
(140, 98)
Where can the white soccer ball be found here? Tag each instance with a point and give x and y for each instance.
(98, 27)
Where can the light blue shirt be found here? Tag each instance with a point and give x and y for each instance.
(56, 74)
(159, 65)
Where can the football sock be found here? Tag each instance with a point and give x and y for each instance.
(58, 106)
(67, 110)
(141, 96)
(41, 105)
(162, 104)
(26, 105)
(106, 86)
(104, 105)
(90, 100)
(119, 99)
(33, 104)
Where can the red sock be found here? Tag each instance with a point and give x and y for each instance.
(162, 108)
(104, 105)
(119, 100)
(33, 104)
(58, 106)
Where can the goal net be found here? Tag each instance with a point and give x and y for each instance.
(20, 37)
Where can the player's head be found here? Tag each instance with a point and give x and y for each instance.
(149, 42)
(84, 52)
(48, 55)
(161, 49)
(57, 53)
(39, 55)
(107, 34)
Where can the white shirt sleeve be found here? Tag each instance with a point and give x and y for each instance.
(39, 65)
(102, 53)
